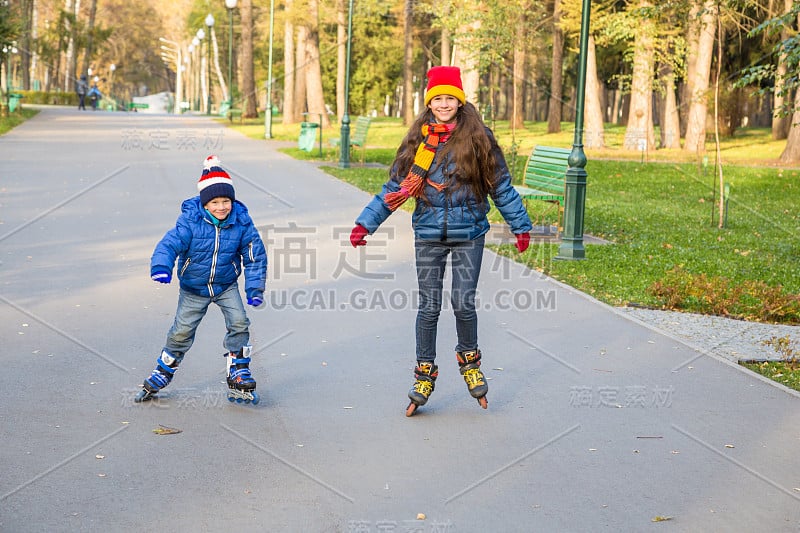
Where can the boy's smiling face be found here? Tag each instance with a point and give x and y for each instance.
(220, 207)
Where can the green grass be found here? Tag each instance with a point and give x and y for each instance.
(7, 123)
(658, 211)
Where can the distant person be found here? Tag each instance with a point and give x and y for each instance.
(451, 164)
(213, 242)
(95, 95)
(82, 88)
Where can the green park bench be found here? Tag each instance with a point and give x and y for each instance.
(226, 111)
(358, 137)
(545, 177)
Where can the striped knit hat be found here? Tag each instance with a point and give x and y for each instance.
(214, 182)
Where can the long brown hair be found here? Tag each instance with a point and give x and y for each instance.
(469, 147)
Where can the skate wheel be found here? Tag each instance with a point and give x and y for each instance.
(256, 398)
(141, 396)
(483, 402)
(411, 409)
(231, 399)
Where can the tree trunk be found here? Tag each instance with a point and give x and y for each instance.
(692, 42)
(247, 88)
(791, 154)
(780, 120)
(670, 119)
(639, 133)
(517, 119)
(300, 59)
(87, 54)
(71, 72)
(445, 47)
(223, 86)
(341, 56)
(698, 106)
(467, 59)
(315, 93)
(593, 118)
(556, 79)
(408, 57)
(288, 67)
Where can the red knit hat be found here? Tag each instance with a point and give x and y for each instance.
(444, 80)
(214, 182)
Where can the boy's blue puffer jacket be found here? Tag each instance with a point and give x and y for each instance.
(210, 258)
(453, 215)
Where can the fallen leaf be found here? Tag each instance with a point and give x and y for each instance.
(730, 446)
(421, 516)
(98, 456)
(661, 518)
(164, 430)
(101, 475)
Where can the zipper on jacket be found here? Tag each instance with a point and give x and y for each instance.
(186, 265)
(446, 213)
(213, 262)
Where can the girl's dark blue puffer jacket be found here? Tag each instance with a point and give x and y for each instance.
(210, 258)
(453, 215)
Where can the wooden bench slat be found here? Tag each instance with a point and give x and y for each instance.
(545, 175)
(358, 137)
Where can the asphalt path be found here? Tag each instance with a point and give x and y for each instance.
(596, 422)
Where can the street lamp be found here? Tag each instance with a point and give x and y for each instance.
(210, 24)
(344, 142)
(575, 191)
(268, 112)
(230, 4)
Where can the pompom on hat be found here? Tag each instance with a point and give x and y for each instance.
(214, 182)
(444, 80)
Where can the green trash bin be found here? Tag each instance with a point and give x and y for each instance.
(308, 134)
(13, 102)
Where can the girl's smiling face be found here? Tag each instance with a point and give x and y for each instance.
(444, 108)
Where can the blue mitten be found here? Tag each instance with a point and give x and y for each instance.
(161, 276)
(256, 299)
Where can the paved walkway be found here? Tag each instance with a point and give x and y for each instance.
(595, 421)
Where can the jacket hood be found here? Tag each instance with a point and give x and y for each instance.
(193, 209)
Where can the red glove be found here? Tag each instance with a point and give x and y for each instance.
(523, 241)
(357, 236)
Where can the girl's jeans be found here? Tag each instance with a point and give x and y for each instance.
(431, 258)
(191, 310)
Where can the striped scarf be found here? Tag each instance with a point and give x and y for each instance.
(414, 182)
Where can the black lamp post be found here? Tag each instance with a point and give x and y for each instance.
(210, 23)
(344, 143)
(575, 193)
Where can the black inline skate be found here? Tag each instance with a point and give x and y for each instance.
(425, 375)
(469, 363)
(241, 385)
(160, 378)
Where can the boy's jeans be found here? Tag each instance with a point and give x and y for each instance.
(191, 310)
(431, 259)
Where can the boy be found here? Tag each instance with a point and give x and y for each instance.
(212, 239)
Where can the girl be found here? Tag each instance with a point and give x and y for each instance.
(450, 163)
